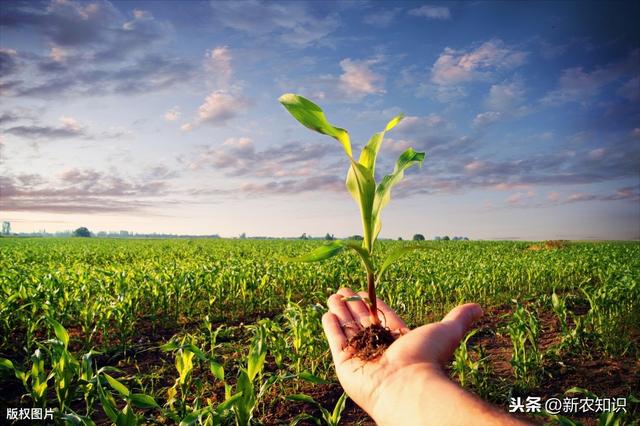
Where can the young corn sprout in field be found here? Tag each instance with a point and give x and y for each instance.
(371, 197)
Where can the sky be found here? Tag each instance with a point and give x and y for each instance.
(160, 116)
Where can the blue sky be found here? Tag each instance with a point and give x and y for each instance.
(163, 116)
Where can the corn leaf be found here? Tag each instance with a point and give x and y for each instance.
(300, 397)
(117, 386)
(108, 403)
(311, 115)
(312, 378)
(217, 370)
(370, 151)
(60, 331)
(338, 409)
(141, 400)
(383, 191)
(5, 363)
(323, 252)
(362, 252)
(192, 348)
(228, 402)
(362, 186)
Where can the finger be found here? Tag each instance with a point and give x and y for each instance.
(340, 310)
(336, 337)
(464, 315)
(388, 316)
(359, 311)
(459, 320)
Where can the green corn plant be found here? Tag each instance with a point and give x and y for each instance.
(463, 365)
(245, 405)
(305, 335)
(329, 418)
(370, 196)
(65, 367)
(526, 360)
(571, 337)
(35, 380)
(184, 362)
(126, 416)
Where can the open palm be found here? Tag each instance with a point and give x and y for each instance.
(425, 348)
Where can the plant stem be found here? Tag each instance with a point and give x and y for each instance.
(373, 303)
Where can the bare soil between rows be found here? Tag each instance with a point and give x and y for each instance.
(604, 376)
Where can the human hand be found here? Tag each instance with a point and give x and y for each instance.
(410, 370)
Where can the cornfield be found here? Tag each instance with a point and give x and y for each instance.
(223, 332)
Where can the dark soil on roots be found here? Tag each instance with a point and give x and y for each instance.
(371, 342)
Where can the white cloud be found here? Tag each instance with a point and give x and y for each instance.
(598, 153)
(433, 12)
(71, 124)
(139, 18)
(454, 66)
(576, 84)
(519, 197)
(218, 108)
(413, 124)
(290, 22)
(381, 18)
(58, 54)
(173, 114)
(358, 80)
(503, 97)
(218, 60)
(553, 196)
(486, 118)
(475, 166)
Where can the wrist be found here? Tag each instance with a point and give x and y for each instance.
(422, 394)
(402, 396)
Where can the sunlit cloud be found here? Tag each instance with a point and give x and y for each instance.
(433, 12)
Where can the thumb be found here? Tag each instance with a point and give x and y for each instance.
(456, 324)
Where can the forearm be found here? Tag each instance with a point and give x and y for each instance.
(422, 395)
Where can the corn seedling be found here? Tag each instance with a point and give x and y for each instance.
(251, 377)
(126, 416)
(184, 362)
(370, 196)
(34, 381)
(572, 337)
(526, 360)
(328, 418)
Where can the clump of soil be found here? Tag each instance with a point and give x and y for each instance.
(371, 342)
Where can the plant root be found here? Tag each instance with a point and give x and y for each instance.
(371, 342)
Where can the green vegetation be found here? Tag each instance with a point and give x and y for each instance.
(370, 196)
(222, 332)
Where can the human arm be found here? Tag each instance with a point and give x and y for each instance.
(407, 384)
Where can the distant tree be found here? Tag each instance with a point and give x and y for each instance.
(356, 237)
(304, 236)
(81, 232)
(418, 237)
(329, 237)
(243, 236)
(446, 238)
(399, 238)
